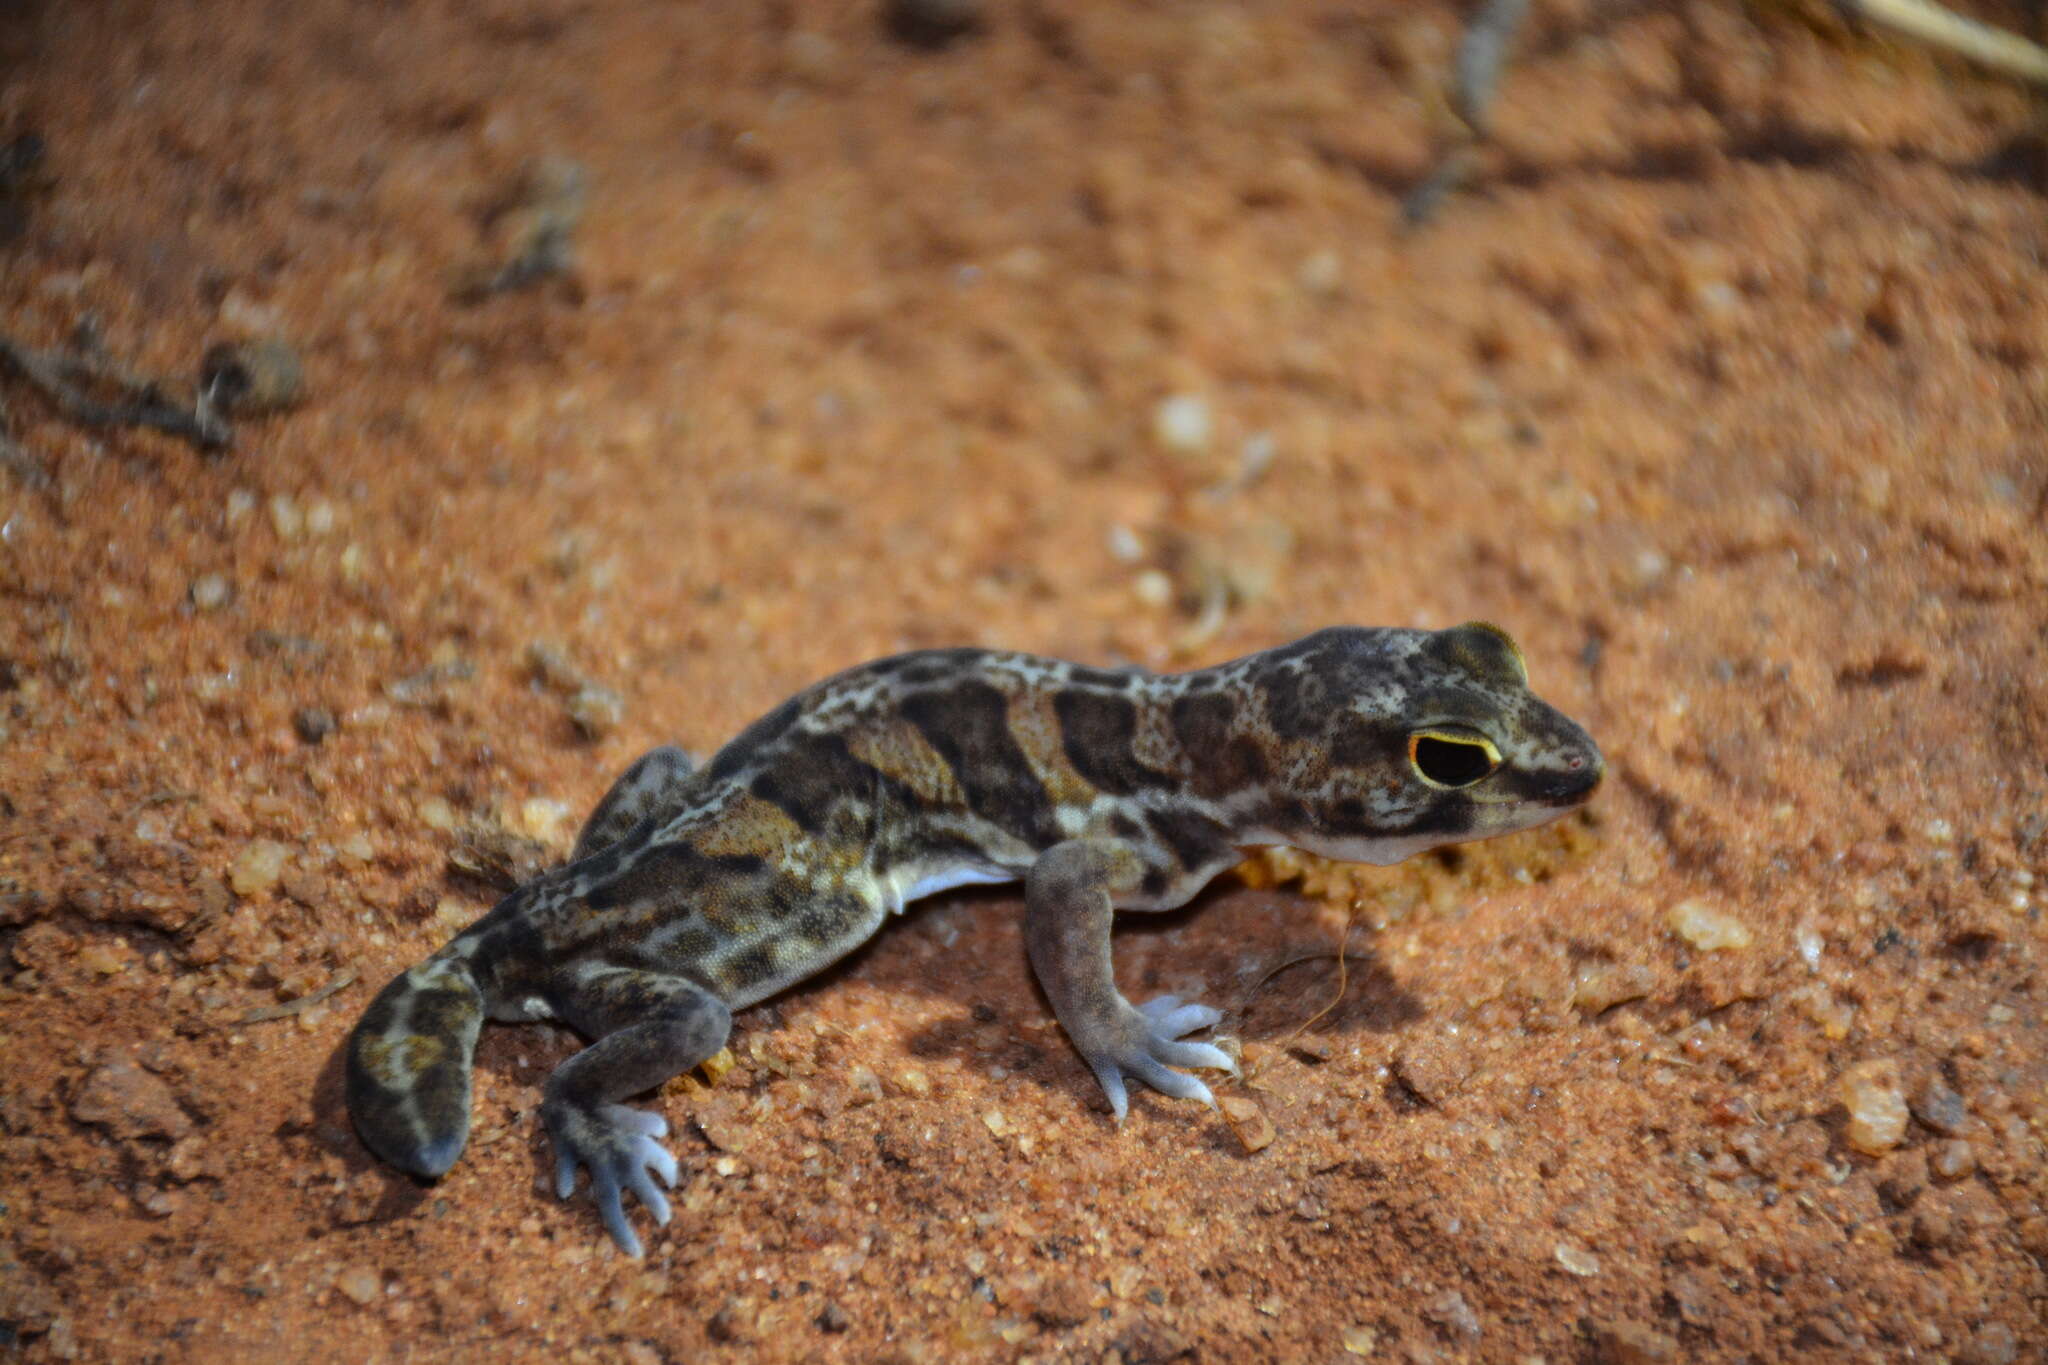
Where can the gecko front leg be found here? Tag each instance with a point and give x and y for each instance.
(1069, 901)
(647, 1027)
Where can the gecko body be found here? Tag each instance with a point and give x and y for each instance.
(696, 891)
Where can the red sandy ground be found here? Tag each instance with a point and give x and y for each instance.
(1723, 388)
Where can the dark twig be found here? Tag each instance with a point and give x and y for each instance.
(1475, 75)
(141, 401)
(1482, 55)
(335, 985)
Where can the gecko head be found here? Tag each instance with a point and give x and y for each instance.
(1424, 738)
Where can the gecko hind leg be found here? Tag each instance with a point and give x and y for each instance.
(647, 1027)
(654, 787)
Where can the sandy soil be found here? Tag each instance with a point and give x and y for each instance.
(1723, 388)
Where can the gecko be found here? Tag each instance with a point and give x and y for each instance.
(695, 891)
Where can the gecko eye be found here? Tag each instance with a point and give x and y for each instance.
(1448, 758)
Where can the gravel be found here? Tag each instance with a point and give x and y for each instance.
(1876, 1100)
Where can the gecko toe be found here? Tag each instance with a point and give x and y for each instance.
(1112, 1078)
(657, 1158)
(613, 1211)
(1193, 1054)
(650, 1194)
(636, 1121)
(1172, 1023)
(1177, 1084)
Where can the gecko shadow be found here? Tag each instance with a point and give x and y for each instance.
(1243, 951)
(390, 1195)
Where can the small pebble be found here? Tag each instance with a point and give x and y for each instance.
(1360, 1341)
(552, 665)
(718, 1065)
(101, 960)
(360, 1283)
(1431, 1070)
(932, 23)
(1952, 1160)
(865, 1085)
(542, 818)
(1602, 986)
(1153, 587)
(258, 867)
(1993, 1344)
(595, 711)
(129, 1102)
(1249, 1122)
(246, 378)
(313, 723)
(211, 592)
(1632, 1343)
(1181, 423)
(1321, 274)
(188, 1160)
(1449, 1311)
(285, 517)
(1124, 545)
(1575, 1259)
(1707, 928)
(1818, 1003)
(1876, 1102)
(1940, 1108)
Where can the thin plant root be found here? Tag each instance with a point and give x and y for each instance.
(1317, 955)
(1945, 30)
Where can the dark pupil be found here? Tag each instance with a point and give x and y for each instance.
(1451, 763)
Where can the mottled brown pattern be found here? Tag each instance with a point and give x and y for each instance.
(967, 724)
(1099, 735)
(1223, 759)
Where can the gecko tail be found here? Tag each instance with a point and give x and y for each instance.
(409, 1066)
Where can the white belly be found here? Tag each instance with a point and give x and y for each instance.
(902, 892)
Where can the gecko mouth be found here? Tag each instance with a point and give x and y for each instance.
(1568, 786)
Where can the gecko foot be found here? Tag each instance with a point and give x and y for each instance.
(620, 1148)
(1147, 1049)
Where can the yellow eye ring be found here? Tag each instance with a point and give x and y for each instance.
(1449, 759)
